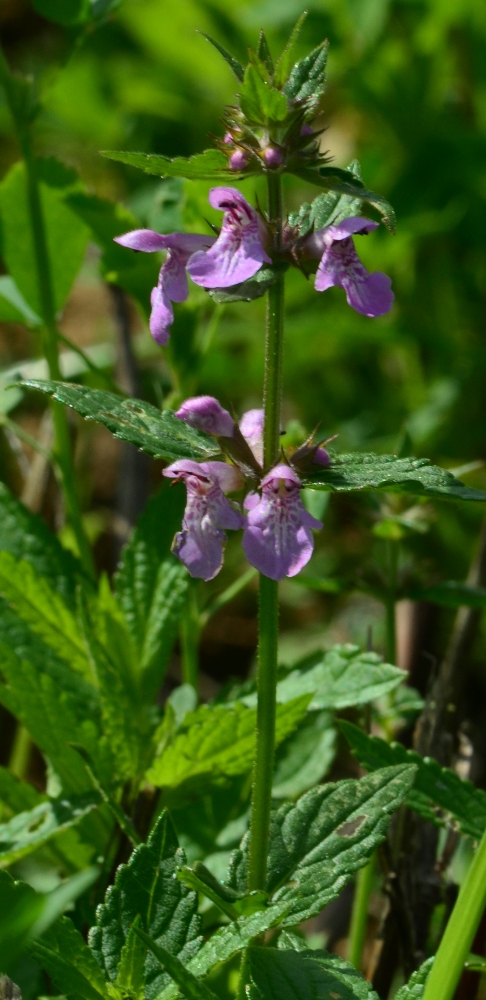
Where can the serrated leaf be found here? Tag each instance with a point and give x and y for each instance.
(213, 164)
(344, 182)
(277, 974)
(348, 473)
(67, 236)
(438, 794)
(263, 52)
(307, 78)
(147, 887)
(213, 743)
(63, 953)
(260, 102)
(415, 988)
(130, 973)
(159, 434)
(328, 209)
(151, 585)
(29, 830)
(191, 987)
(43, 611)
(284, 62)
(318, 842)
(236, 66)
(252, 289)
(26, 536)
(452, 594)
(304, 758)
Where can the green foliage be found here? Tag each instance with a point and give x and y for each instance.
(191, 987)
(453, 594)
(261, 103)
(67, 236)
(17, 796)
(317, 843)
(208, 166)
(249, 290)
(236, 66)
(341, 677)
(214, 743)
(147, 888)
(29, 830)
(307, 78)
(158, 433)
(63, 953)
(328, 209)
(303, 759)
(392, 474)
(346, 182)
(276, 974)
(67, 13)
(415, 988)
(438, 794)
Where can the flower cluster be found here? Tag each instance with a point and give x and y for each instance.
(244, 245)
(277, 536)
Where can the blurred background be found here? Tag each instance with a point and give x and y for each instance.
(407, 96)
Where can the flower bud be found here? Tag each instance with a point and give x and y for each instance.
(204, 413)
(306, 130)
(321, 457)
(273, 156)
(228, 139)
(238, 160)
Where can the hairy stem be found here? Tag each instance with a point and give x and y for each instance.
(391, 640)
(189, 633)
(357, 933)
(268, 603)
(62, 448)
(459, 933)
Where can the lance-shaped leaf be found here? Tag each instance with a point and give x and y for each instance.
(452, 594)
(303, 759)
(277, 974)
(307, 78)
(17, 796)
(44, 611)
(283, 64)
(415, 988)
(236, 66)
(63, 953)
(147, 887)
(29, 830)
(252, 289)
(191, 987)
(214, 743)
(259, 102)
(328, 209)
(213, 164)
(342, 677)
(438, 794)
(346, 183)
(151, 585)
(159, 434)
(348, 473)
(318, 842)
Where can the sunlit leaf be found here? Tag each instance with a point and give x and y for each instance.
(29, 830)
(213, 164)
(347, 473)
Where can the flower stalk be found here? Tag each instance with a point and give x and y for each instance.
(268, 593)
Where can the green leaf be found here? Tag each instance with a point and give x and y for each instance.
(348, 473)
(415, 988)
(277, 974)
(252, 289)
(191, 987)
(259, 102)
(345, 182)
(263, 52)
(151, 585)
(17, 796)
(26, 536)
(29, 830)
(65, 12)
(213, 743)
(236, 66)
(13, 307)
(328, 209)
(452, 594)
(63, 953)
(147, 887)
(44, 611)
(284, 61)
(438, 794)
(303, 759)
(307, 79)
(475, 963)
(67, 236)
(207, 166)
(317, 843)
(130, 974)
(160, 434)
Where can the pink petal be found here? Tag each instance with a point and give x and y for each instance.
(368, 294)
(161, 316)
(251, 426)
(206, 414)
(238, 252)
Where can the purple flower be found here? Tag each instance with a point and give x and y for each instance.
(251, 426)
(369, 294)
(172, 283)
(277, 538)
(206, 414)
(238, 160)
(273, 156)
(238, 252)
(200, 544)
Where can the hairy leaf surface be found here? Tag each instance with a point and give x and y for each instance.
(438, 794)
(63, 953)
(276, 974)
(395, 475)
(307, 78)
(415, 988)
(213, 164)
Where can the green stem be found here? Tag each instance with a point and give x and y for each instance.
(459, 933)
(20, 753)
(390, 605)
(357, 933)
(62, 448)
(189, 637)
(268, 603)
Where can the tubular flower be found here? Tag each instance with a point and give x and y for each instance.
(251, 426)
(238, 252)
(206, 414)
(200, 543)
(369, 294)
(172, 283)
(277, 539)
